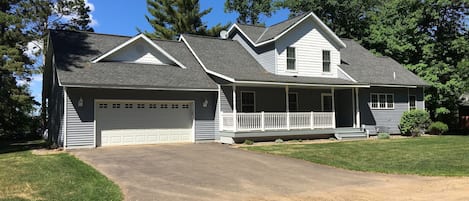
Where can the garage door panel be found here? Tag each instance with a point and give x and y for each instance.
(149, 123)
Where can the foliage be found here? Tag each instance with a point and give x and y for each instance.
(25, 176)
(435, 156)
(248, 142)
(346, 18)
(249, 10)
(414, 122)
(438, 128)
(279, 141)
(170, 18)
(384, 136)
(431, 38)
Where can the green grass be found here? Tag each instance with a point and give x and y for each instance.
(24, 176)
(430, 156)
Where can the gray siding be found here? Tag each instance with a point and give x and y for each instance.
(265, 54)
(80, 124)
(419, 97)
(55, 110)
(383, 117)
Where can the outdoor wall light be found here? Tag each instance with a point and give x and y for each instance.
(80, 102)
(205, 103)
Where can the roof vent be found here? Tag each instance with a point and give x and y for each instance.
(394, 75)
(223, 34)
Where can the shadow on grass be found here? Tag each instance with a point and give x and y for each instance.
(17, 145)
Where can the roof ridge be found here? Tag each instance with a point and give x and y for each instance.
(299, 16)
(89, 32)
(252, 25)
(265, 30)
(207, 37)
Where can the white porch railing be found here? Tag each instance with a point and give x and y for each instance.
(263, 121)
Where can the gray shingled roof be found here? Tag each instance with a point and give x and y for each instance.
(365, 67)
(74, 51)
(251, 31)
(229, 58)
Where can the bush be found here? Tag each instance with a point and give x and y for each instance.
(248, 142)
(438, 128)
(383, 136)
(414, 122)
(279, 141)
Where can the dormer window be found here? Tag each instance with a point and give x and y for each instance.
(291, 58)
(326, 61)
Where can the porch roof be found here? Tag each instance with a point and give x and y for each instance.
(230, 61)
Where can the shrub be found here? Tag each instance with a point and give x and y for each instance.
(383, 136)
(279, 141)
(414, 122)
(248, 142)
(438, 128)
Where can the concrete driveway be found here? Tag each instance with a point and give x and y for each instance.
(219, 172)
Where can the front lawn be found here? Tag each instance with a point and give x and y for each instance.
(24, 176)
(435, 156)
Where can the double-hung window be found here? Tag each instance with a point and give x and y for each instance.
(291, 58)
(382, 101)
(412, 100)
(326, 61)
(248, 101)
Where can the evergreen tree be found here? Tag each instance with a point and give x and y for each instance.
(249, 10)
(169, 18)
(347, 18)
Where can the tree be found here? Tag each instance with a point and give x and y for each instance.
(17, 104)
(169, 18)
(432, 40)
(249, 10)
(347, 18)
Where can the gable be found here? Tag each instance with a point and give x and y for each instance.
(139, 49)
(140, 52)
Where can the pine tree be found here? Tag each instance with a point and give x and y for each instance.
(169, 18)
(249, 10)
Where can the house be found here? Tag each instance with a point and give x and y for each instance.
(292, 79)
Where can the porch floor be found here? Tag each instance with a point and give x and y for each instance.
(296, 132)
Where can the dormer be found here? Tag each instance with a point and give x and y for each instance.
(139, 49)
(300, 46)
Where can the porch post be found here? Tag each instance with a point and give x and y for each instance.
(287, 107)
(235, 124)
(354, 109)
(357, 106)
(333, 107)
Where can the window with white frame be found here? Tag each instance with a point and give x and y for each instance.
(412, 102)
(382, 101)
(291, 58)
(326, 61)
(293, 101)
(248, 101)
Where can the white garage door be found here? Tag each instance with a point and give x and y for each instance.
(124, 123)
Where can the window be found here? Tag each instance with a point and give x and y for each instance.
(140, 106)
(116, 105)
(293, 101)
(174, 106)
(412, 102)
(248, 101)
(291, 58)
(152, 106)
(185, 106)
(326, 61)
(101, 105)
(382, 101)
(129, 105)
(163, 106)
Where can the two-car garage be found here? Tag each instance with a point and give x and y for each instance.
(124, 122)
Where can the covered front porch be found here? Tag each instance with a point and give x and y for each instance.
(261, 111)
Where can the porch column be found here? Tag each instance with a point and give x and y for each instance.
(354, 109)
(357, 106)
(287, 106)
(333, 107)
(235, 124)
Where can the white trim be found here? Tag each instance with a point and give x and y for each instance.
(220, 113)
(357, 105)
(391, 85)
(386, 101)
(96, 101)
(322, 100)
(423, 99)
(415, 101)
(354, 109)
(408, 100)
(202, 64)
(311, 14)
(142, 36)
(346, 74)
(241, 99)
(137, 88)
(296, 94)
(301, 84)
(330, 63)
(65, 117)
(295, 69)
(94, 124)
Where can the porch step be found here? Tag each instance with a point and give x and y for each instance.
(350, 133)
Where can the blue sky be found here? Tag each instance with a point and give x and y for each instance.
(122, 17)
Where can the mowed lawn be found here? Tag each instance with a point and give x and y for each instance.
(435, 156)
(24, 176)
